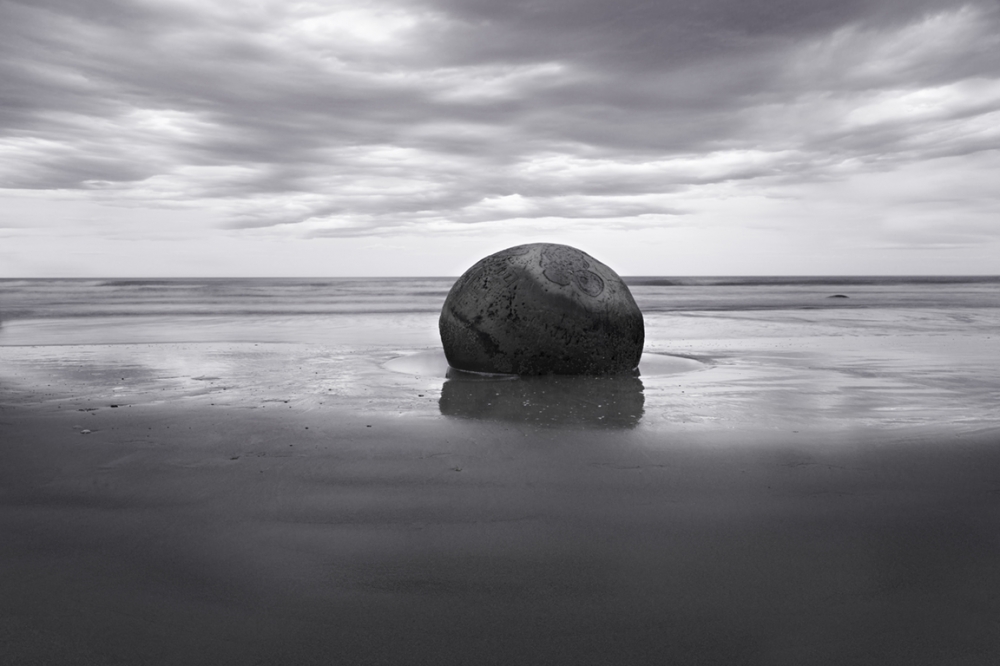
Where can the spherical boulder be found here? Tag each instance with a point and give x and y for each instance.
(541, 309)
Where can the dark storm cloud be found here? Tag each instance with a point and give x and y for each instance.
(638, 33)
(362, 118)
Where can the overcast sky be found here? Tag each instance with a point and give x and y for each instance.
(718, 137)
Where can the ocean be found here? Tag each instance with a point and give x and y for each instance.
(828, 352)
(260, 297)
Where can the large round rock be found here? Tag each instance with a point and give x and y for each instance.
(541, 309)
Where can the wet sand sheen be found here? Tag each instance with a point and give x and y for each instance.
(201, 535)
(615, 401)
(433, 363)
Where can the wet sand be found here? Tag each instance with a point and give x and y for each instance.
(774, 488)
(231, 514)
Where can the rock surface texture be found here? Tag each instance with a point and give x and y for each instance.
(541, 309)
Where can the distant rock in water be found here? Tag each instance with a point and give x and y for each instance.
(541, 309)
(837, 296)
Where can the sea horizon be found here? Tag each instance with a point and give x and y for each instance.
(693, 276)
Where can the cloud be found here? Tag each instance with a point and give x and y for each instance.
(339, 119)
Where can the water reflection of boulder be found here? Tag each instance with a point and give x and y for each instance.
(548, 400)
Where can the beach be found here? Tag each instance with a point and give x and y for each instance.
(264, 472)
